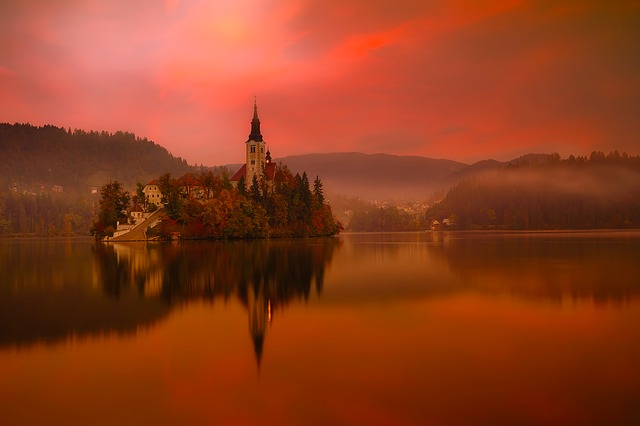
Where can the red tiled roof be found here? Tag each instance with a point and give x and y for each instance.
(240, 173)
(154, 182)
(136, 208)
(269, 168)
(271, 171)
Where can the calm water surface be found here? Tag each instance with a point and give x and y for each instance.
(417, 328)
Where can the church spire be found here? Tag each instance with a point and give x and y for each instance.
(255, 134)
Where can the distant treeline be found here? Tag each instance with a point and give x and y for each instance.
(602, 191)
(36, 158)
(46, 214)
(384, 219)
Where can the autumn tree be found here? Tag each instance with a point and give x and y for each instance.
(171, 197)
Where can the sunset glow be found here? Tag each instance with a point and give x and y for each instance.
(461, 80)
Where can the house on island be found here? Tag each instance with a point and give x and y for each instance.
(189, 185)
(257, 156)
(136, 212)
(152, 193)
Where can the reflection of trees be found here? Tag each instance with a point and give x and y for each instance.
(548, 266)
(50, 291)
(46, 295)
(263, 275)
(283, 270)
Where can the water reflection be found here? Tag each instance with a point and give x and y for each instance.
(602, 267)
(557, 267)
(422, 328)
(264, 276)
(53, 290)
(49, 291)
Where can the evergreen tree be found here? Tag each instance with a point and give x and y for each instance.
(317, 191)
(242, 186)
(113, 209)
(254, 190)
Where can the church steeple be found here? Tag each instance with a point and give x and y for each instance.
(255, 134)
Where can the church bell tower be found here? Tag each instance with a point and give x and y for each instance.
(255, 147)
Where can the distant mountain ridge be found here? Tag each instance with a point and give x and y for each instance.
(394, 177)
(375, 176)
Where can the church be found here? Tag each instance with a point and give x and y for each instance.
(257, 158)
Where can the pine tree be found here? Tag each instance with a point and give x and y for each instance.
(242, 186)
(255, 190)
(317, 191)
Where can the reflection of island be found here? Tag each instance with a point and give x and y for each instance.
(55, 292)
(263, 275)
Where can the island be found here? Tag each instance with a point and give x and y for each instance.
(261, 200)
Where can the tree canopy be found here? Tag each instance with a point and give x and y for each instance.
(284, 207)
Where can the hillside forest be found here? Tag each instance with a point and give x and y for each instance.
(50, 176)
(599, 192)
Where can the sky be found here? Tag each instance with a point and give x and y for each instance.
(459, 79)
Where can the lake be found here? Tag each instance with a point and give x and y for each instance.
(443, 328)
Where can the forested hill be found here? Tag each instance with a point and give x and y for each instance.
(546, 192)
(32, 157)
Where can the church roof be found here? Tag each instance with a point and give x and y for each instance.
(240, 173)
(269, 168)
(271, 171)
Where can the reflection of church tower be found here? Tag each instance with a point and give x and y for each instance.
(259, 317)
(255, 147)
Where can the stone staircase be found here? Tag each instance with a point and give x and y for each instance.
(139, 231)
